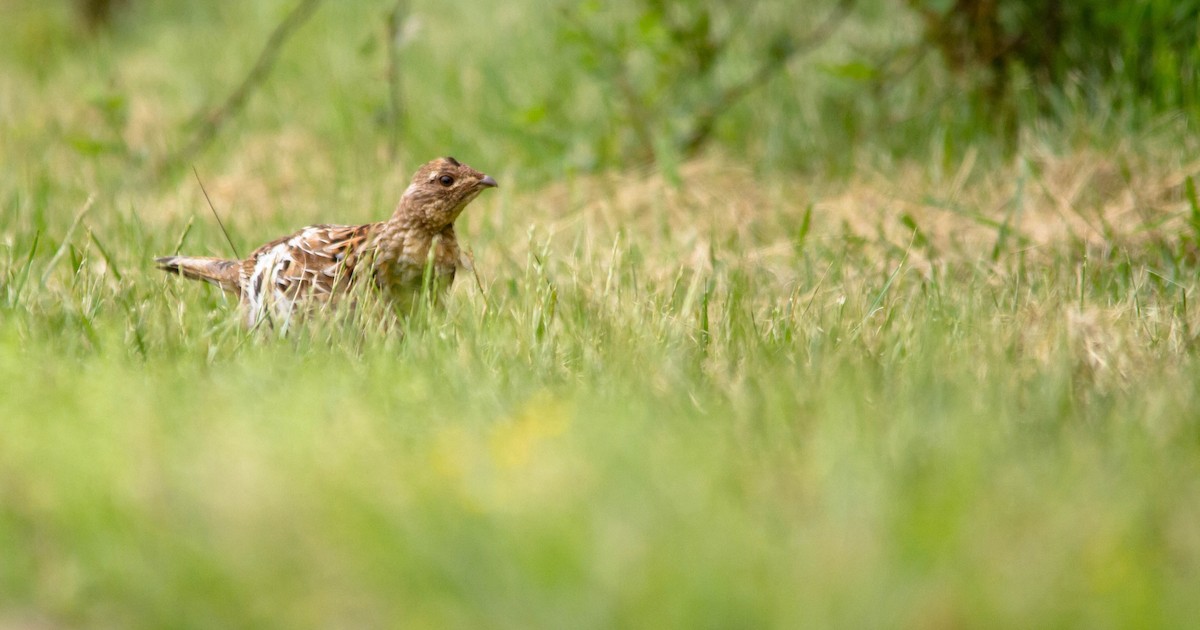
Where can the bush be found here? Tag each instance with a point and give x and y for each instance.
(1146, 53)
(674, 75)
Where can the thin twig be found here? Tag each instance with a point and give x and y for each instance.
(487, 304)
(215, 215)
(211, 123)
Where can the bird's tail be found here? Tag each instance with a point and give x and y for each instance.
(218, 271)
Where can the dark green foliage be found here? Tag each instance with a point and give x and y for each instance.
(672, 70)
(1144, 53)
(673, 75)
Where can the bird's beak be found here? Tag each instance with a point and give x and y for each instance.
(488, 182)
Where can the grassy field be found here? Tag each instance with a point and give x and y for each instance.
(940, 388)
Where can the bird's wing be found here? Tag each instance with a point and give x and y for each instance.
(317, 260)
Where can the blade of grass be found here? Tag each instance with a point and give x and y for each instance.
(871, 310)
(16, 295)
(182, 236)
(66, 242)
(802, 231)
(1189, 192)
(112, 265)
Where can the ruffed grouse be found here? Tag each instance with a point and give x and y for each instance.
(321, 262)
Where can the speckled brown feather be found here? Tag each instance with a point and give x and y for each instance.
(320, 262)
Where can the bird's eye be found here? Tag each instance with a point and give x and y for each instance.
(446, 180)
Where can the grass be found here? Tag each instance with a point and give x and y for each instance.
(941, 391)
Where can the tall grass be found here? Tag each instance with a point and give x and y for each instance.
(954, 392)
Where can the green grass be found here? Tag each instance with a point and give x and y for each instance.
(947, 391)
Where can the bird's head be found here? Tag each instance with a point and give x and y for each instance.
(440, 190)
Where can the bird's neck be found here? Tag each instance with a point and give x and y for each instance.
(408, 218)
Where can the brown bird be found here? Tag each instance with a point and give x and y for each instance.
(321, 262)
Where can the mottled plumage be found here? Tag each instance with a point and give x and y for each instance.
(323, 261)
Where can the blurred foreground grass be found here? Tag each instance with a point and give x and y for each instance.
(955, 391)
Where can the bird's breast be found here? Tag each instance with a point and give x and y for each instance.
(401, 258)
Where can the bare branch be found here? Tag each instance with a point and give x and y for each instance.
(215, 215)
(781, 54)
(211, 123)
(635, 109)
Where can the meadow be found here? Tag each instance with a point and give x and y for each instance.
(815, 376)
